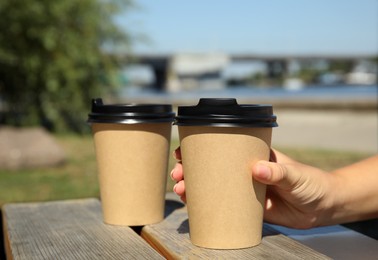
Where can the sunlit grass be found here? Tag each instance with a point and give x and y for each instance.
(77, 178)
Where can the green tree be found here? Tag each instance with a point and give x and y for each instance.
(53, 59)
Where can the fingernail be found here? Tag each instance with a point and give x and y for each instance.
(171, 174)
(174, 188)
(263, 171)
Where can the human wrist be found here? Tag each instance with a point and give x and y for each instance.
(347, 203)
(336, 201)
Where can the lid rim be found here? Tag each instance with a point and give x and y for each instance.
(128, 121)
(225, 112)
(220, 124)
(133, 115)
(129, 113)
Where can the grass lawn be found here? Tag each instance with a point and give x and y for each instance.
(77, 178)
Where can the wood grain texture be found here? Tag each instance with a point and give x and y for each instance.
(171, 239)
(70, 229)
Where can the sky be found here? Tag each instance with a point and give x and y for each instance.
(255, 26)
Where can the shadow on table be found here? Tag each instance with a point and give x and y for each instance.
(367, 227)
(184, 227)
(267, 230)
(172, 205)
(336, 241)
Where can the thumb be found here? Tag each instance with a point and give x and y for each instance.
(283, 176)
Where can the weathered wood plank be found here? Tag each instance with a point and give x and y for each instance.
(70, 229)
(171, 238)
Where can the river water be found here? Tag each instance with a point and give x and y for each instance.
(339, 93)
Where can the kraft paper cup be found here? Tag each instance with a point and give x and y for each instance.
(220, 141)
(132, 150)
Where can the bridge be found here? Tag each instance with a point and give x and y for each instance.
(277, 65)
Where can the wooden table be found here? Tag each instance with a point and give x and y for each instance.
(73, 229)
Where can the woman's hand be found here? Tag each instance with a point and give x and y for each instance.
(298, 195)
(302, 196)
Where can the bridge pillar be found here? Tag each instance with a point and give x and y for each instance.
(160, 73)
(276, 68)
(159, 65)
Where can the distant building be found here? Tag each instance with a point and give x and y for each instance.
(293, 84)
(364, 73)
(190, 71)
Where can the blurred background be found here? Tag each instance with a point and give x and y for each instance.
(314, 61)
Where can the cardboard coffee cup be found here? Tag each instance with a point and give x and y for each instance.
(220, 141)
(132, 150)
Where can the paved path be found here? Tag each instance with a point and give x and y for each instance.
(326, 129)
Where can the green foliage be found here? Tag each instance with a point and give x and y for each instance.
(52, 59)
(346, 66)
(309, 75)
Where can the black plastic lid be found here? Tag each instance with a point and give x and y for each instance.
(225, 112)
(129, 113)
